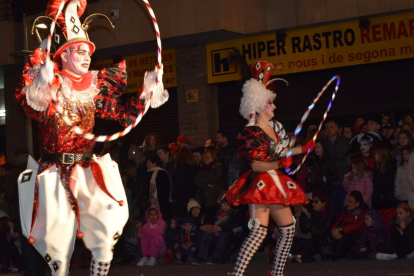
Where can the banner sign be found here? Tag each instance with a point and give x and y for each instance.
(344, 44)
(137, 65)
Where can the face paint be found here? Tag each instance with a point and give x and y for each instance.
(270, 104)
(364, 146)
(79, 58)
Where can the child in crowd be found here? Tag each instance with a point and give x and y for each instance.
(171, 234)
(187, 242)
(374, 235)
(302, 241)
(358, 124)
(402, 239)
(152, 237)
(346, 231)
(359, 179)
(320, 225)
(195, 211)
(131, 251)
(405, 139)
(403, 189)
(10, 258)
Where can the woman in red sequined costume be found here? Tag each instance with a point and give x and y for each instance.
(264, 144)
(70, 192)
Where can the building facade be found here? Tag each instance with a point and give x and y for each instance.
(368, 42)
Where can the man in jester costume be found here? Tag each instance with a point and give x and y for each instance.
(70, 193)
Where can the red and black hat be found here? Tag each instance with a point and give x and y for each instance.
(262, 71)
(69, 30)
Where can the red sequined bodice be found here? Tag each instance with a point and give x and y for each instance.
(55, 136)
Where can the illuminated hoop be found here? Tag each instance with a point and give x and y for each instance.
(305, 116)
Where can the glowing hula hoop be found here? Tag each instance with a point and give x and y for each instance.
(305, 116)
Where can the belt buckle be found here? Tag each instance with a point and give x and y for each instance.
(68, 158)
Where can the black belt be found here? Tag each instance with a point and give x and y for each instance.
(66, 158)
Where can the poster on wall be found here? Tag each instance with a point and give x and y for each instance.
(137, 65)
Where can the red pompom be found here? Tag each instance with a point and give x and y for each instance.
(79, 235)
(31, 240)
(236, 204)
(121, 203)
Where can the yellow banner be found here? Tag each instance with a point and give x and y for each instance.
(137, 65)
(344, 44)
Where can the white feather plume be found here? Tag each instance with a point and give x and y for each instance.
(154, 88)
(254, 99)
(39, 92)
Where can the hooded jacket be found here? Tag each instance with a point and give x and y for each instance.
(153, 229)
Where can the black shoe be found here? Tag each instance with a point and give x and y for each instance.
(353, 256)
(224, 260)
(331, 258)
(317, 257)
(213, 260)
(199, 261)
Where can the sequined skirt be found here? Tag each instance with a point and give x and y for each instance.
(271, 187)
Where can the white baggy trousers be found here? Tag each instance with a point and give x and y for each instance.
(102, 218)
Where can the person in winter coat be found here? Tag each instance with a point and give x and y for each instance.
(322, 170)
(209, 180)
(152, 237)
(373, 235)
(404, 189)
(220, 231)
(320, 225)
(359, 179)
(182, 186)
(402, 236)
(187, 241)
(346, 231)
(195, 211)
(383, 180)
(159, 186)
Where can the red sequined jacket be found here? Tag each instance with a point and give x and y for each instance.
(97, 94)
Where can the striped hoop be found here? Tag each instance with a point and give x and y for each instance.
(103, 138)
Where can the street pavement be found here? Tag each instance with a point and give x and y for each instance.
(259, 266)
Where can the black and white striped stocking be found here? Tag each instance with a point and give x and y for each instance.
(283, 248)
(250, 246)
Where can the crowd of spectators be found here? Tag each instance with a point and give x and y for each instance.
(359, 180)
